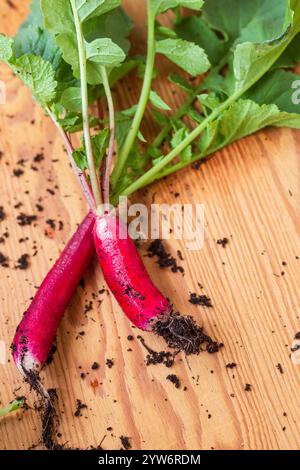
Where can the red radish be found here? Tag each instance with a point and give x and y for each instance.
(37, 330)
(126, 274)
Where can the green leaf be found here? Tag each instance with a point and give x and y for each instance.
(57, 16)
(177, 138)
(248, 21)
(158, 102)
(13, 406)
(39, 76)
(195, 29)
(99, 143)
(181, 82)
(88, 9)
(115, 25)
(252, 61)
(100, 51)
(243, 118)
(6, 48)
(105, 52)
(71, 99)
(277, 87)
(186, 55)
(34, 71)
(160, 6)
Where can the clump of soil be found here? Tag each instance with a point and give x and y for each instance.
(202, 300)
(24, 219)
(174, 380)
(125, 442)
(23, 262)
(183, 334)
(2, 214)
(165, 260)
(223, 242)
(79, 407)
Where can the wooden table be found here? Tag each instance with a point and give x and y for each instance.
(251, 195)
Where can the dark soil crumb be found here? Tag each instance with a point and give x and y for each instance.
(280, 368)
(3, 261)
(109, 363)
(18, 172)
(125, 442)
(183, 334)
(223, 242)
(95, 366)
(202, 300)
(162, 357)
(51, 223)
(23, 262)
(2, 214)
(38, 158)
(231, 365)
(79, 406)
(174, 379)
(39, 207)
(24, 219)
(88, 306)
(165, 260)
(248, 388)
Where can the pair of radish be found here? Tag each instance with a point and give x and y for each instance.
(125, 275)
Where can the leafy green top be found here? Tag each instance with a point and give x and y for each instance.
(244, 49)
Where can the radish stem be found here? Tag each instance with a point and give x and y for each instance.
(110, 153)
(79, 174)
(84, 99)
(144, 98)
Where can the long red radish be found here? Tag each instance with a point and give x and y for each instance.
(126, 274)
(36, 332)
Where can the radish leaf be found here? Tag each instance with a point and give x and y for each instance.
(158, 102)
(160, 6)
(186, 55)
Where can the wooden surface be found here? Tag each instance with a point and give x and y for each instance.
(251, 195)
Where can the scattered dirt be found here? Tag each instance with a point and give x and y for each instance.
(79, 407)
(24, 219)
(23, 262)
(165, 260)
(202, 300)
(223, 242)
(2, 214)
(174, 379)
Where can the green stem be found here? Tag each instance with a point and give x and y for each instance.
(111, 148)
(144, 98)
(84, 99)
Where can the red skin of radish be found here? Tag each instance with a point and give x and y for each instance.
(126, 274)
(37, 330)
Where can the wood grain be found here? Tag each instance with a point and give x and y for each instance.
(251, 195)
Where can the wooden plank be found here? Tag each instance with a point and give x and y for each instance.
(251, 195)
